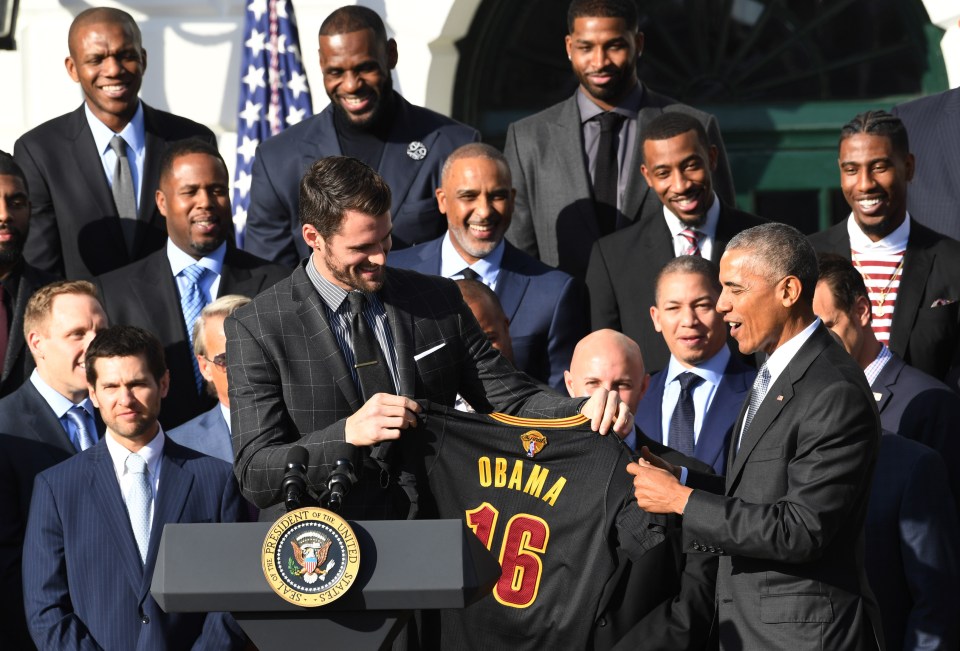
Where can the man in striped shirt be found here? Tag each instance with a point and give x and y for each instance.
(912, 273)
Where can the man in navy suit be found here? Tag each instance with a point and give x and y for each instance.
(365, 120)
(685, 313)
(210, 431)
(36, 431)
(911, 523)
(153, 293)
(84, 223)
(96, 519)
(545, 307)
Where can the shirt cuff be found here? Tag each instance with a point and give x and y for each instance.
(683, 475)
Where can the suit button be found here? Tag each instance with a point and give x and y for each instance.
(602, 622)
(145, 620)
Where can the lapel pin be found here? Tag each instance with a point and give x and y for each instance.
(417, 150)
(780, 398)
(877, 396)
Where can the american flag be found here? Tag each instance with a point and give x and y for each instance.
(274, 93)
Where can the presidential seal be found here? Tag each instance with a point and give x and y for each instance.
(310, 557)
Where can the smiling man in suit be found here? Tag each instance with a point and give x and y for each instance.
(576, 164)
(679, 164)
(164, 292)
(911, 271)
(693, 403)
(367, 120)
(787, 520)
(96, 519)
(546, 307)
(47, 420)
(93, 209)
(338, 352)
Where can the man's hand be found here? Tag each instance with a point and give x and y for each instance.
(606, 411)
(380, 419)
(657, 490)
(658, 462)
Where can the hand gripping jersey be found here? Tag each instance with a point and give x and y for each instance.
(550, 499)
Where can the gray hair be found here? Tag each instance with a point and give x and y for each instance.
(779, 251)
(222, 307)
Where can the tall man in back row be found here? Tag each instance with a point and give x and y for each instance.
(337, 352)
(366, 120)
(576, 164)
(788, 521)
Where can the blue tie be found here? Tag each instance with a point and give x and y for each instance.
(139, 496)
(85, 436)
(681, 436)
(192, 301)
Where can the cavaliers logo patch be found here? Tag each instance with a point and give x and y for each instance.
(533, 442)
(310, 557)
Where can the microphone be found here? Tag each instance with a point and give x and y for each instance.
(342, 478)
(295, 478)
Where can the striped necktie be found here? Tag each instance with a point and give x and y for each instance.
(192, 301)
(691, 241)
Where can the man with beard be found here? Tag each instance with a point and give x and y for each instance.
(679, 164)
(575, 164)
(165, 292)
(18, 280)
(545, 307)
(911, 271)
(93, 210)
(366, 120)
(336, 354)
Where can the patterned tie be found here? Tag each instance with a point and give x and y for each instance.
(607, 172)
(192, 302)
(681, 436)
(139, 497)
(691, 241)
(80, 419)
(757, 393)
(123, 192)
(470, 274)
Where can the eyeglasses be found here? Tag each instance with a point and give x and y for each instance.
(220, 361)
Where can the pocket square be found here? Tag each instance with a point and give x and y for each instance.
(940, 302)
(420, 356)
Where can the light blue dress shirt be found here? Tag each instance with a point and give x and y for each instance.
(210, 283)
(451, 264)
(136, 139)
(712, 373)
(61, 405)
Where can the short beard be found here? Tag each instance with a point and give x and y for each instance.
(348, 279)
(382, 108)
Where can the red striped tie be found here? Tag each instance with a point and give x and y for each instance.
(693, 241)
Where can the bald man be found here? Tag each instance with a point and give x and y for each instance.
(93, 209)
(609, 359)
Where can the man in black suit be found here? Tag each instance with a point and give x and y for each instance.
(934, 138)
(93, 211)
(911, 271)
(787, 522)
(199, 263)
(18, 280)
(336, 354)
(39, 424)
(545, 306)
(679, 164)
(575, 165)
(367, 120)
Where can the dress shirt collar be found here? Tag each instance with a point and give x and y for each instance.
(708, 230)
(451, 263)
(225, 412)
(629, 107)
(873, 368)
(711, 370)
(893, 243)
(332, 295)
(133, 133)
(57, 401)
(151, 453)
(180, 260)
(782, 356)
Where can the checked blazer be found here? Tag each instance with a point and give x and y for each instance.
(289, 383)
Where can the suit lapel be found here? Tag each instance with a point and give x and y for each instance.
(400, 317)
(156, 277)
(41, 420)
(236, 280)
(15, 342)
(652, 421)
(113, 512)
(313, 318)
(917, 262)
(728, 400)
(573, 178)
(175, 485)
(511, 286)
(886, 379)
(638, 192)
(397, 167)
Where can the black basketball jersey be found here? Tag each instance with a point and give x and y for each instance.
(551, 500)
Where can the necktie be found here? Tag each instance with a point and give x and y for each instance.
(369, 361)
(692, 241)
(4, 327)
(139, 497)
(607, 172)
(192, 302)
(123, 192)
(757, 393)
(86, 436)
(681, 436)
(470, 274)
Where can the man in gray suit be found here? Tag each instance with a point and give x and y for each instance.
(788, 521)
(336, 354)
(210, 431)
(576, 165)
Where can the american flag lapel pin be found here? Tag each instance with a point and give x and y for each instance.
(780, 398)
